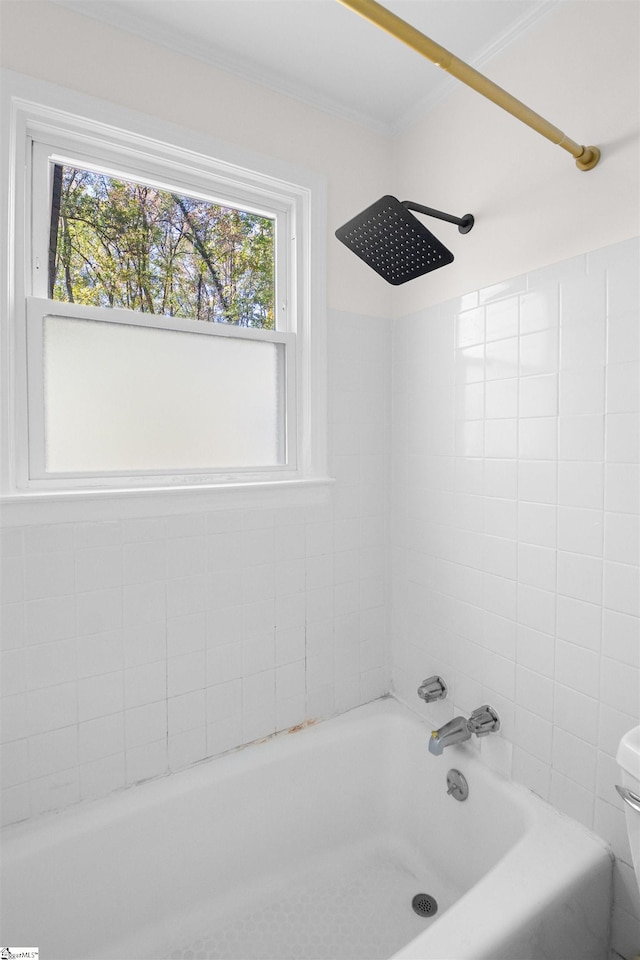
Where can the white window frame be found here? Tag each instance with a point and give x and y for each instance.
(198, 166)
(39, 309)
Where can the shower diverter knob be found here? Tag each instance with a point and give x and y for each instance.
(433, 688)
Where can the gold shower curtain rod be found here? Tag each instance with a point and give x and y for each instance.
(586, 157)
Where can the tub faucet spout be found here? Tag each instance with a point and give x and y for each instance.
(482, 722)
(455, 731)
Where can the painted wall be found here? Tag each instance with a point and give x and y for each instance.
(578, 67)
(143, 76)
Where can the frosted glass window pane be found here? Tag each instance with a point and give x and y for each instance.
(119, 397)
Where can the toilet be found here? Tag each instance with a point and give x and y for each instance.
(628, 758)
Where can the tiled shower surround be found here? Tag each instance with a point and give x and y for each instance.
(515, 527)
(132, 648)
(483, 525)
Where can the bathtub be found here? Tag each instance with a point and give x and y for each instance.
(312, 845)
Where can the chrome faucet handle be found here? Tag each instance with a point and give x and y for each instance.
(484, 720)
(433, 688)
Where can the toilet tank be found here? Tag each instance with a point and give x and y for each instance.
(628, 758)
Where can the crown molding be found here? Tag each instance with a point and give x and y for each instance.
(123, 19)
(107, 12)
(447, 84)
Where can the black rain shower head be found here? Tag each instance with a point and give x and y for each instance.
(394, 243)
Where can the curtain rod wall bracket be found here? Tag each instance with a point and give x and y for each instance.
(586, 157)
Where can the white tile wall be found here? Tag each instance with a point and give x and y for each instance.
(508, 470)
(133, 648)
(515, 527)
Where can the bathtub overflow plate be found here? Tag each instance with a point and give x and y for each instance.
(457, 786)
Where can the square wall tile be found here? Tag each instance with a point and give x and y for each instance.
(52, 708)
(539, 396)
(502, 318)
(538, 438)
(96, 569)
(620, 633)
(48, 575)
(622, 488)
(579, 622)
(622, 588)
(580, 530)
(535, 650)
(582, 391)
(48, 538)
(53, 751)
(14, 763)
(12, 626)
(577, 668)
(144, 561)
(571, 798)
(581, 438)
(101, 777)
(623, 337)
(575, 759)
(48, 664)
(501, 359)
(470, 327)
(623, 388)
(583, 345)
(146, 762)
(501, 399)
(534, 692)
(99, 611)
(496, 479)
(537, 524)
(623, 437)
(581, 484)
(539, 353)
(539, 308)
(54, 792)
(55, 619)
(580, 576)
(100, 696)
(583, 299)
(538, 480)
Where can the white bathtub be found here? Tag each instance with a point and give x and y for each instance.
(312, 845)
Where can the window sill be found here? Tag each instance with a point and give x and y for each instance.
(69, 506)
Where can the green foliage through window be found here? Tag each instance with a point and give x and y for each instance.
(116, 243)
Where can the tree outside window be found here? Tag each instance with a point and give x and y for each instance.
(117, 243)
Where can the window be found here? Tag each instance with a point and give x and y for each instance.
(166, 325)
(159, 347)
(115, 242)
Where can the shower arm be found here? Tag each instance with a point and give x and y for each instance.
(464, 223)
(586, 157)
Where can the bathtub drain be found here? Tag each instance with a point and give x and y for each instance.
(424, 905)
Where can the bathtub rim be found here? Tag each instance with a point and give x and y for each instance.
(133, 798)
(538, 817)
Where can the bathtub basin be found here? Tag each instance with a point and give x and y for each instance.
(312, 844)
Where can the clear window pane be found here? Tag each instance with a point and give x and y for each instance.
(120, 397)
(117, 243)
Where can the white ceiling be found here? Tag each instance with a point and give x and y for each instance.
(323, 53)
